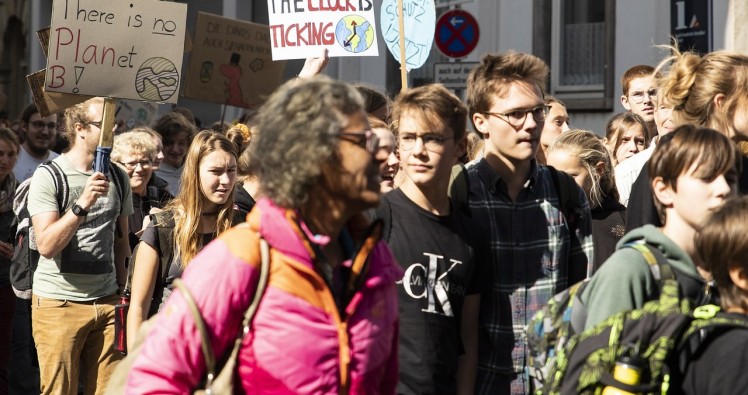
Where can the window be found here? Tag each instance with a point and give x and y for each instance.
(582, 48)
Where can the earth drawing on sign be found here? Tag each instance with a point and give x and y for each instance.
(354, 33)
(157, 79)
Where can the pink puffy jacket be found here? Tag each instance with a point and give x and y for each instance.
(299, 343)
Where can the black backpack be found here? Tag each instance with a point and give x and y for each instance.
(25, 253)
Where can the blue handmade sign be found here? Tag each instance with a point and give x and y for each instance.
(419, 21)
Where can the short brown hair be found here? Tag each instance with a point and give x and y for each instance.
(496, 71)
(78, 114)
(431, 102)
(373, 99)
(633, 73)
(172, 123)
(722, 245)
(688, 145)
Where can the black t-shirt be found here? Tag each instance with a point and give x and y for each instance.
(442, 265)
(720, 367)
(173, 271)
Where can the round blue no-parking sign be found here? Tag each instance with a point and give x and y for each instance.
(457, 33)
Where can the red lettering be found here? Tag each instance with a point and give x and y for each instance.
(300, 30)
(310, 7)
(59, 30)
(77, 45)
(328, 34)
(288, 30)
(54, 77)
(89, 54)
(277, 29)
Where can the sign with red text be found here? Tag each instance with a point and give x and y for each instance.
(124, 49)
(231, 62)
(298, 28)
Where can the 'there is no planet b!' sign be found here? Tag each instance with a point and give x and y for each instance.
(124, 49)
(298, 28)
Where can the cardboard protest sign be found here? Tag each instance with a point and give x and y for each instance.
(48, 103)
(231, 63)
(133, 114)
(345, 28)
(420, 24)
(125, 49)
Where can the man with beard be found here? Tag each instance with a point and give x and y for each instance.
(41, 136)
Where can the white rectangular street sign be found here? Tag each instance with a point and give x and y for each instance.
(453, 75)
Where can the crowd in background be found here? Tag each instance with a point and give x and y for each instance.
(411, 240)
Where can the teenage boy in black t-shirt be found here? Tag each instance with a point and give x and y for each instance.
(434, 243)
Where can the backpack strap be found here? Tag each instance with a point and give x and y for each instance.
(119, 179)
(163, 221)
(658, 264)
(568, 196)
(60, 180)
(459, 188)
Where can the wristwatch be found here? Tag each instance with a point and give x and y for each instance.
(79, 211)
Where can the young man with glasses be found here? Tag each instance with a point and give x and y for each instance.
(82, 261)
(436, 245)
(41, 136)
(640, 94)
(534, 253)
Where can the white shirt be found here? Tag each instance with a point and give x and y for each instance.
(627, 171)
(27, 164)
(171, 175)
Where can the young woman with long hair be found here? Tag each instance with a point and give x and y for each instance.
(202, 210)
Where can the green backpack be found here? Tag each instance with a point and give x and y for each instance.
(565, 314)
(654, 335)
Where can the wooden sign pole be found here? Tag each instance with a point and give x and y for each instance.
(401, 23)
(106, 138)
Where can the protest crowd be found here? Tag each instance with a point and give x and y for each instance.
(341, 241)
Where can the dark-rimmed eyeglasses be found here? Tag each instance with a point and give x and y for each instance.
(365, 139)
(431, 141)
(517, 118)
(145, 164)
(42, 124)
(638, 96)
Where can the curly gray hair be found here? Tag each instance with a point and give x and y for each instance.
(298, 128)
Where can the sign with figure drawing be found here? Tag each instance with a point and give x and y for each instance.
(299, 28)
(125, 49)
(231, 62)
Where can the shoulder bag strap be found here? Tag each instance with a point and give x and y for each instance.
(210, 361)
(225, 376)
(222, 381)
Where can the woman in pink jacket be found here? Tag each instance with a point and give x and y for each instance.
(318, 329)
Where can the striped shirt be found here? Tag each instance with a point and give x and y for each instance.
(531, 251)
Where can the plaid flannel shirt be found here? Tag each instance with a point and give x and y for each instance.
(531, 251)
